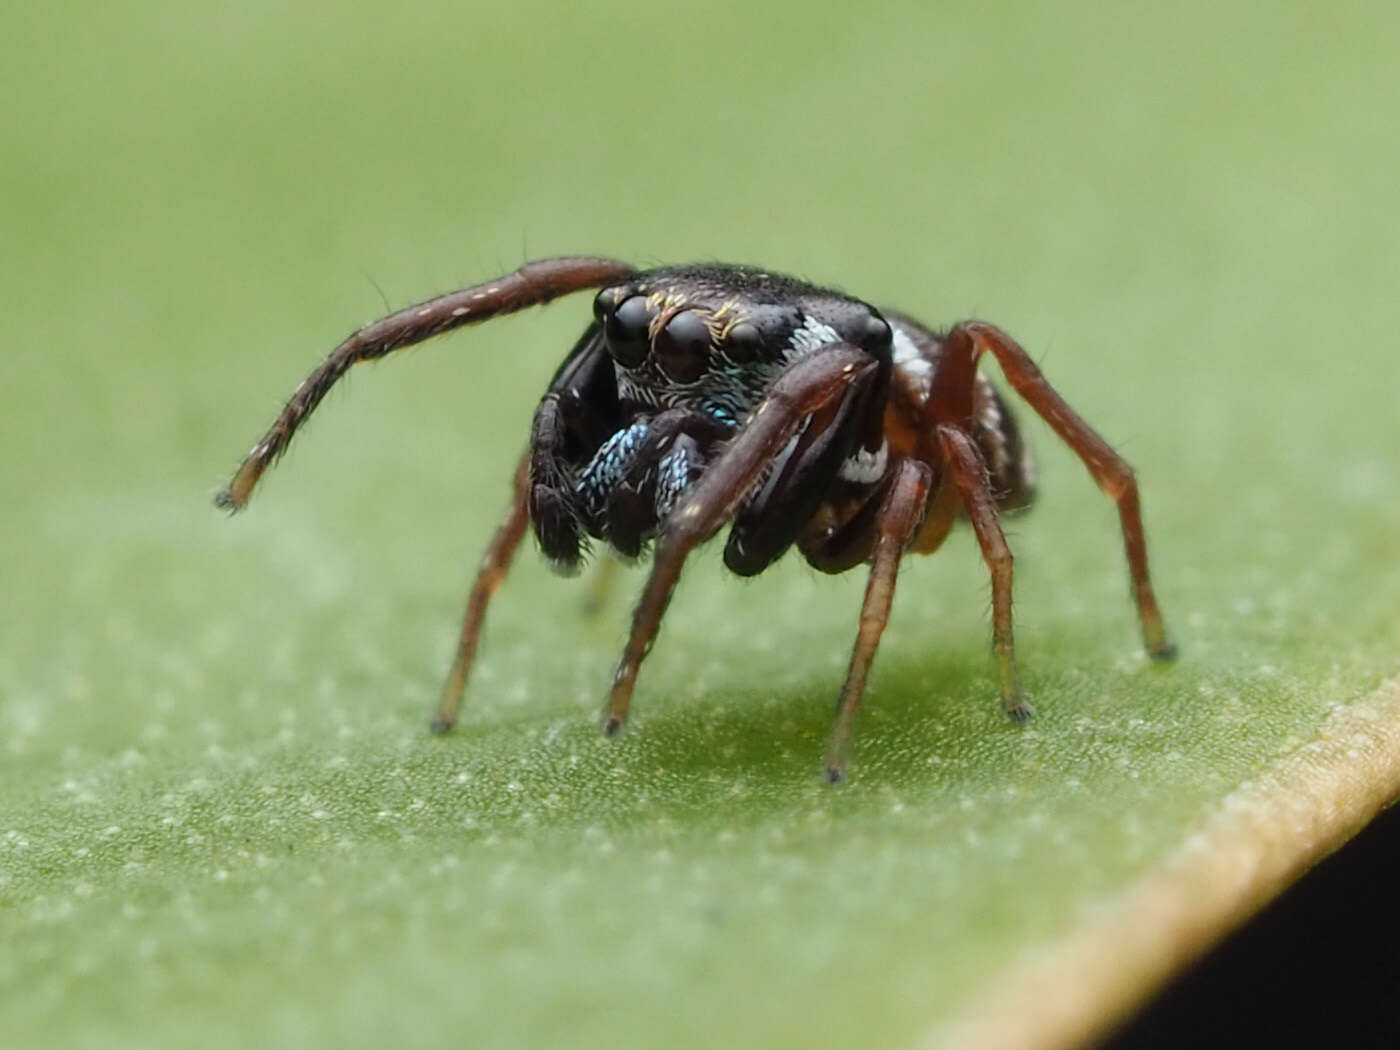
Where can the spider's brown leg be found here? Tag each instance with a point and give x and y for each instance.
(898, 521)
(489, 578)
(805, 387)
(1109, 470)
(533, 284)
(970, 476)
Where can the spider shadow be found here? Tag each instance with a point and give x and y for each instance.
(913, 721)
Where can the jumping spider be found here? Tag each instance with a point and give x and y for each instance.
(712, 394)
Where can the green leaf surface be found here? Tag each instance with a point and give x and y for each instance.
(221, 817)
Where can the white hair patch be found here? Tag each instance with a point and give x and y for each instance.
(811, 335)
(865, 467)
(910, 361)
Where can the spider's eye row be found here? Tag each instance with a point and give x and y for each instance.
(743, 343)
(683, 347)
(625, 330)
(877, 334)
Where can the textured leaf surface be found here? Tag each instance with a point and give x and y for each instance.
(221, 818)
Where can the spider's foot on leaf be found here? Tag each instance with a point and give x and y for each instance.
(611, 725)
(1163, 652)
(1018, 709)
(441, 724)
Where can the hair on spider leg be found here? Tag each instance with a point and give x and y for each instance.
(368, 276)
(706, 396)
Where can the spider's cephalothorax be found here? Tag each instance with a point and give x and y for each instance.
(701, 396)
(675, 360)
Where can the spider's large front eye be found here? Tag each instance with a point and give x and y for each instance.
(626, 332)
(683, 347)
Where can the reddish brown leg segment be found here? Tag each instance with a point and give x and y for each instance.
(970, 476)
(808, 385)
(1109, 470)
(899, 520)
(489, 578)
(533, 284)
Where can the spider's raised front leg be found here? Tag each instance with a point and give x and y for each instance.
(533, 284)
(899, 518)
(1109, 470)
(805, 387)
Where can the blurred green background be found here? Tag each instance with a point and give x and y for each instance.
(221, 819)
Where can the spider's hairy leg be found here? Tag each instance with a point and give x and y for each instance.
(805, 387)
(970, 476)
(489, 577)
(533, 284)
(1109, 470)
(899, 519)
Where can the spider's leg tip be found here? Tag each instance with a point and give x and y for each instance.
(224, 500)
(611, 725)
(1020, 711)
(1164, 651)
(441, 724)
(834, 772)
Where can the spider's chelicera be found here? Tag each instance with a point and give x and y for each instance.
(707, 395)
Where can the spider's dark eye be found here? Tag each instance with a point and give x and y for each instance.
(602, 303)
(877, 334)
(625, 330)
(743, 343)
(683, 347)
